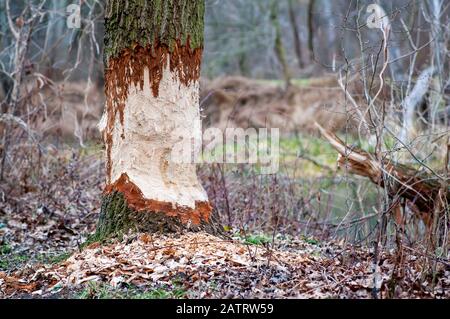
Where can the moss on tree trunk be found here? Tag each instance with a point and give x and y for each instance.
(117, 218)
(146, 22)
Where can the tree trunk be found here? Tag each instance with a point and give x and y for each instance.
(311, 6)
(396, 67)
(331, 24)
(410, 103)
(242, 58)
(296, 34)
(279, 48)
(152, 61)
(438, 50)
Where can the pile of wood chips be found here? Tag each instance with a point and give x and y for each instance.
(208, 267)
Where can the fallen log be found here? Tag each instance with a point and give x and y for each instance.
(422, 189)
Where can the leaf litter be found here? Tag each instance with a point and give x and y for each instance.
(54, 219)
(210, 267)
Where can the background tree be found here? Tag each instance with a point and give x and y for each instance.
(279, 48)
(311, 31)
(295, 33)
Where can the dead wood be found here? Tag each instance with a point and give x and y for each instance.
(424, 190)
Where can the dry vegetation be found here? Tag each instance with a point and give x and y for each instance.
(313, 230)
(242, 102)
(203, 266)
(293, 234)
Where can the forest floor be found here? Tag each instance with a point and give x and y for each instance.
(198, 265)
(291, 234)
(41, 253)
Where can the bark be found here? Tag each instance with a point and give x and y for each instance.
(279, 48)
(118, 218)
(152, 66)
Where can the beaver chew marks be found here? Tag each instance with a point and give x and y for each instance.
(152, 105)
(128, 68)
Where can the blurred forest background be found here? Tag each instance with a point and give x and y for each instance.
(266, 63)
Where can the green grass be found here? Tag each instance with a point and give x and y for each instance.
(53, 258)
(278, 82)
(310, 147)
(5, 249)
(257, 239)
(91, 148)
(95, 290)
(12, 261)
(311, 241)
(289, 163)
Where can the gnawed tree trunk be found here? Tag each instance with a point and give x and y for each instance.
(152, 61)
(426, 192)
